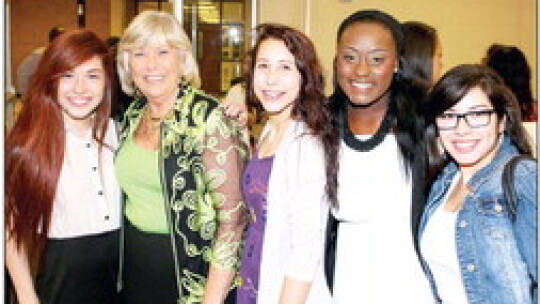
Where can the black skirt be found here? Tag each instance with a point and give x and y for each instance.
(148, 276)
(81, 270)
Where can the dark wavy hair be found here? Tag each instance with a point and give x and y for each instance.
(418, 52)
(452, 87)
(407, 97)
(311, 106)
(34, 150)
(510, 63)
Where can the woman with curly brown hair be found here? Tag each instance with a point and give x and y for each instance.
(284, 183)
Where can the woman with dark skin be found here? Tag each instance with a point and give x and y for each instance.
(381, 164)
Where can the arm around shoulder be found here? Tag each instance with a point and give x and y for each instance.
(223, 159)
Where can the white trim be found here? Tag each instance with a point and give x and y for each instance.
(178, 10)
(254, 18)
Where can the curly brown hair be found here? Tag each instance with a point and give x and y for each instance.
(311, 106)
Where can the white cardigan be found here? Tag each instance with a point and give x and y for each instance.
(293, 243)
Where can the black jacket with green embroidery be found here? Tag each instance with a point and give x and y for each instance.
(201, 158)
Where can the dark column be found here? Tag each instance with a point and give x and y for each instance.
(81, 13)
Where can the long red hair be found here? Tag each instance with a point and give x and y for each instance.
(34, 150)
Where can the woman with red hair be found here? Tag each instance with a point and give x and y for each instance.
(62, 198)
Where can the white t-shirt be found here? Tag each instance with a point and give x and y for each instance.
(376, 261)
(438, 246)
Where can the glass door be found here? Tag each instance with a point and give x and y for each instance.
(218, 29)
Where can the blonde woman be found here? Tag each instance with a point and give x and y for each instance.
(179, 165)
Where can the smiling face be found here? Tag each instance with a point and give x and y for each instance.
(276, 80)
(80, 91)
(156, 71)
(473, 147)
(365, 62)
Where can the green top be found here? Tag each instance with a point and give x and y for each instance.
(138, 174)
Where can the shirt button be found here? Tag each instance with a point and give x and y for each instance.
(100, 192)
(463, 224)
(88, 145)
(94, 168)
(498, 208)
(106, 217)
(471, 267)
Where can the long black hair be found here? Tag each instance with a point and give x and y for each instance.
(510, 63)
(419, 51)
(405, 96)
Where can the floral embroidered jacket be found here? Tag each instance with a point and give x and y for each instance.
(201, 158)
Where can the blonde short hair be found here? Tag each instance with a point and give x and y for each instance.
(155, 28)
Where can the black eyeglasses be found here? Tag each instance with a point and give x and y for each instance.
(474, 119)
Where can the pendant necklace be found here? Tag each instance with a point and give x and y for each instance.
(154, 123)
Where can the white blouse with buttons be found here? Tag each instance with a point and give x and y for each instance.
(438, 246)
(87, 199)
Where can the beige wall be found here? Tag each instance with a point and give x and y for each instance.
(466, 27)
(289, 12)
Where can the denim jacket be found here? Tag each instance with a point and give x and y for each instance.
(497, 255)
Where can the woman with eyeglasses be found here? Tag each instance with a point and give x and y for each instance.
(475, 250)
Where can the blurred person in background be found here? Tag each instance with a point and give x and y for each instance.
(511, 64)
(422, 53)
(28, 65)
(120, 100)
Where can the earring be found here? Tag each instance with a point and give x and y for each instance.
(396, 69)
(182, 83)
(136, 91)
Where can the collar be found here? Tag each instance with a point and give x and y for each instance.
(71, 131)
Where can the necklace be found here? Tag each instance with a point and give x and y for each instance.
(369, 144)
(154, 123)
